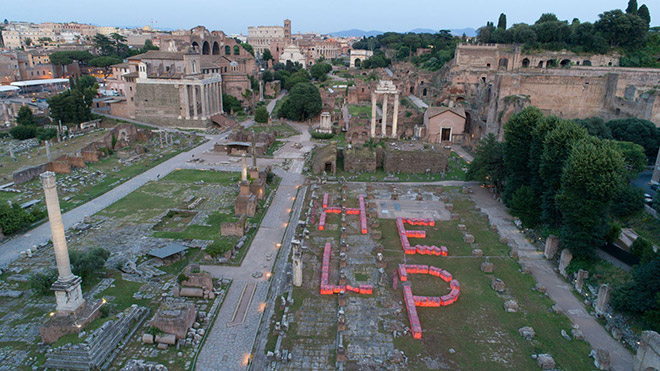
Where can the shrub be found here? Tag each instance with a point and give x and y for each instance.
(316, 135)
(22, 132)
(40, 283)
(261, 115)
(643, 249)
(627, 201)
(85, 264)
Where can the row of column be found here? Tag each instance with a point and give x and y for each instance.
(210, 102)
(395, 118)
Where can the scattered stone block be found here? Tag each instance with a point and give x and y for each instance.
(545, 361)
(493, 228)
(603, 299)
(511, 306)
(420, 197)
(487, 267)
(468, 238)
(444, 199)
(477, 252)
(540, 288)
(169, 339)
(601, 359)
(498, 285)
(551, 246)
(503, 240)
(462, 227)
(557, 309)
(513, 253)
(577, 334)
(466, 190)
(527, 332)
(455, 216)
(148, 339)
(162, 346)
(449, 207)
(564, 334)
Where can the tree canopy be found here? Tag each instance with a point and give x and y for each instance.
(302, 103)
(75, 104)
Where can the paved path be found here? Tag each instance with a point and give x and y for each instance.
(271, 105)
(418, 102)
(463, 153)
(10, 250)
(557, 288)
(228, 348)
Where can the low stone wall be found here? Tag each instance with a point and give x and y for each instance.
(25, 175)
(414, 161)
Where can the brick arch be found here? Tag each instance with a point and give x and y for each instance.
(206, 48)
(216, 48)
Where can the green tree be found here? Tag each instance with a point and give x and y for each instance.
(525, 205)
(119, 40)
(621, 29)
(644, 14)
(22, 132)
(25, 116)
(67, 57)
(319, 70)
(230, 103)
(591, 176)
(103, 44)
(267, 76)
(106, 63)
(261, 115)
(75, 104)
(595, 126)
(302, 76)
(556, 147)
(303, 102)
(501, 22)
(40, 283)
(517, 142)
(627, 201)
(632, 7)
(634, 158)
(266, 55)
(523, 34)
(248, 47)
(639, 131)
(488, 163)
(28, 41)
(86, 264)
(641, 295)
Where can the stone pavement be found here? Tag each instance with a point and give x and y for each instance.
(228, 348)
(10, 250)
(557, 288)
(418, 102)
(272, 103)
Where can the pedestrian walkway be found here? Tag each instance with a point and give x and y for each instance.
(271, 105)
(418, 102)
(557, 288)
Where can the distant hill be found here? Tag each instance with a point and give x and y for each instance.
(359, 33)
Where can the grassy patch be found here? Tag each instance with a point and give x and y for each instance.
(645, 225)
(282, 129)
(357, 111)
(275, 147)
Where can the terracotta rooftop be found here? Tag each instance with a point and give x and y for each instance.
(434, 111)
(157, 54)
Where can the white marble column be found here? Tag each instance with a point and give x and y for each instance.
(244, 168)
(56, 226)
(205, 101)
(384, 123)
(373, 114)
(186, 101)
(395, 119)
(194, 96)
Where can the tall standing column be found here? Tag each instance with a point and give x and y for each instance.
(205, 99)
(194, 90)
(186, 101)
(384, 123)
(56, 226)
(395, 119)
(244, 169)
(373, 115)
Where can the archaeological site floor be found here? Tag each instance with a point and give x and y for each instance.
(475, 332)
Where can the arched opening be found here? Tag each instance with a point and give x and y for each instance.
(216, 48)
(525, 63)
(225, 69)
(540, 64)
(503, 63)
(358, 62)
(586, 62)
(551, 63)
(237, 50)
(610, 64)
(206, 48)
(421, 83)
(412, 90)
(227, 50)
(565, 63)
(424, 92)
(195, 46)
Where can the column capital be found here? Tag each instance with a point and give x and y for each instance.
(48, 179)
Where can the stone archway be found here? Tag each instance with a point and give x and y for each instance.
(195, 46)
(216, 48)
(503, 63)
(551, 63)
(206, 48)
(525, 63)
(586, 62)
(358, 62)
(566, 63)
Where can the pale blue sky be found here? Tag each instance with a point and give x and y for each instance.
(319, 16)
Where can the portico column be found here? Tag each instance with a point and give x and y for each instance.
(373, 115)
(205, 101)
(194, 90)
(186, 102)
(384, 123)
(395, 119)
(214, 95)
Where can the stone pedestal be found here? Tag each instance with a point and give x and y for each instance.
(579, 280)
(564, 261)
(551, 246)
(603, 299)
(68, 295)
